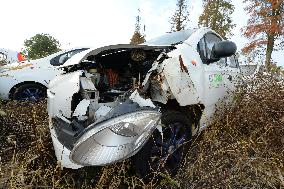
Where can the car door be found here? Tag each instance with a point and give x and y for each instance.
(233, 72)
(215, 73)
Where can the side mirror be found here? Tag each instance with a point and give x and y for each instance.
(63, 59)
(223, 49)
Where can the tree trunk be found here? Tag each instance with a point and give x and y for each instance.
(269, 50)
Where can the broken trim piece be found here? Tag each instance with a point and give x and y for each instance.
(135, 97)
(81, 110)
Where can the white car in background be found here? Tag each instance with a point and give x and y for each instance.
(28, 80)
(8, 56)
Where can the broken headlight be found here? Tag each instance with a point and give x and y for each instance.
(115, 139)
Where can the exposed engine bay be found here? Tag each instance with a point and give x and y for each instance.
(110, 76)
(113, 73)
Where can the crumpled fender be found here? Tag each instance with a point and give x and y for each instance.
(60, 92)
(174, 83)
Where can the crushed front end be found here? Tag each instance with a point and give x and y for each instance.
(99, 110)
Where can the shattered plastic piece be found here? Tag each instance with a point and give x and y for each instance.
(81, 110)
(87, 84)
(102, 111)
(64, 119)
(154, 67)
(141, 101)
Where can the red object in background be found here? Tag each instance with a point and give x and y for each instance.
(21, 57)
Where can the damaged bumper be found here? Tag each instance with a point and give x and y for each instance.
(115, 139)
(107, 142)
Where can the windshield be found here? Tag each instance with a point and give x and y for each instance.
(64, 51)
(171, 38)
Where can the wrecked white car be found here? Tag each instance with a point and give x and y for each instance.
(144, 101)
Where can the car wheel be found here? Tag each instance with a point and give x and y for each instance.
(29, 92)
(164, 153)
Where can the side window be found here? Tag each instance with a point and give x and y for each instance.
(211, 40)
(3, 57)
(61, 59)
(232, 61)
(201, 48)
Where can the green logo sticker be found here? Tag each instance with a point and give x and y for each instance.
(215, 80)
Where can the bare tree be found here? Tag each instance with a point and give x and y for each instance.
(217, 15)
(138, 37)
(265, 27)
(180, 18)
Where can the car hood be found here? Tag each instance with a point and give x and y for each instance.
(22, 65)
(78, 58)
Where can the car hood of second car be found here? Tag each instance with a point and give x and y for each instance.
(22, 65)
(78, 58)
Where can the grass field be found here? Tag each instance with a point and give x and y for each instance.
(243, 148)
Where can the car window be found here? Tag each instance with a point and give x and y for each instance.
(232, 61)
(201, 48)
(3, 57)
(62, 58)
(211, 39)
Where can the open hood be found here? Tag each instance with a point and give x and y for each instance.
(78, 58)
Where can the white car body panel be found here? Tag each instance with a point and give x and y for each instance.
(62, 154)
(72, 85)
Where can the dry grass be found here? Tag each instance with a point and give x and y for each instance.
(244, 148)
(28, 159)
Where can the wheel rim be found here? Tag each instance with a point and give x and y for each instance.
(31, 94)
(166, 152)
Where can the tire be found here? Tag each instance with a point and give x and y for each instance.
(165, 156)
(29, 92)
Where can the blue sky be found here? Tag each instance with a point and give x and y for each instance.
(97, 23)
